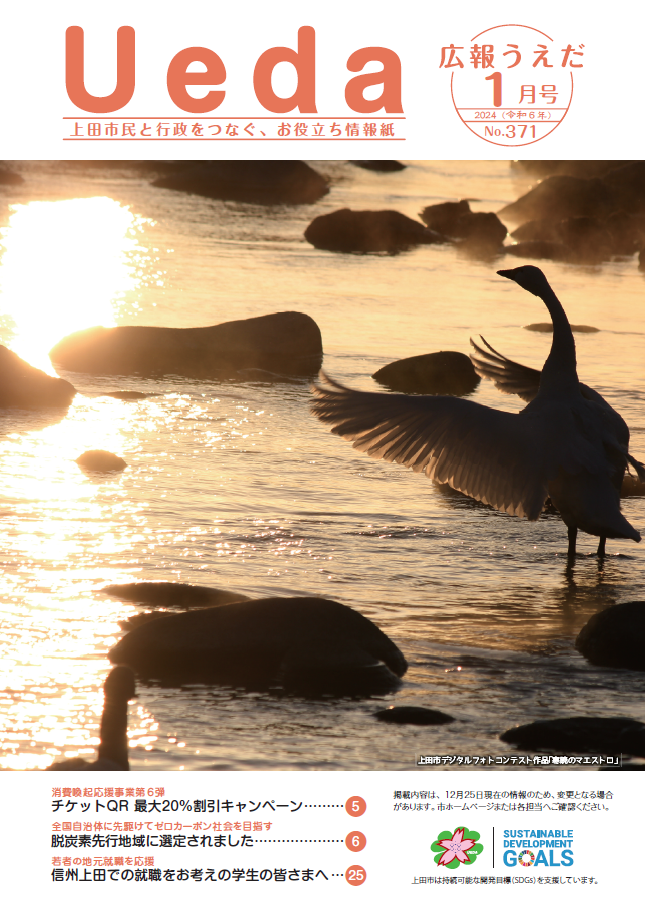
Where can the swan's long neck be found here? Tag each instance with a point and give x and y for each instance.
(559, 371)
(114, 735)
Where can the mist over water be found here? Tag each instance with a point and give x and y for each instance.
(235, 485)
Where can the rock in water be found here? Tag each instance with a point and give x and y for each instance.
(265, 182)
(25, 387)
(632, 487)
(347, 231)
(548, 328)
(440, 373)
(562, 197)
(307, 644)
(413, 715)
(581, 735)
(287, 342)
(101, 461)
(129, 395)
(172, 595)
(540, 250)
(384, 165)
(615, 637)
(456, 220)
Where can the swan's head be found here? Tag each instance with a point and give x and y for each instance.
(529, 277)
(119, 684)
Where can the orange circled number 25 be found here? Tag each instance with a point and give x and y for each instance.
(355, 876)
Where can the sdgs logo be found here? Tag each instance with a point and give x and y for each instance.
(457, 848)
(535, 848)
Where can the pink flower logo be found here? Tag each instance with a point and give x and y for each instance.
(453, 849)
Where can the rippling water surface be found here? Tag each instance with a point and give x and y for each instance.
(235, 485)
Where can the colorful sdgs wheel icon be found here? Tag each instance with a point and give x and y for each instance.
(526, 858)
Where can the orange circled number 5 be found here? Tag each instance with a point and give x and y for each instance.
(355, 806)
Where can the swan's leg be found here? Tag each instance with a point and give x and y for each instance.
(573, 534)
(601, 546)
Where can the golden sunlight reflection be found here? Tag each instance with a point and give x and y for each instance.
(66, 265)
(50, 723)
(57, 509)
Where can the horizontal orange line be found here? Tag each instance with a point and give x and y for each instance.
(234, 138)
(240, 117)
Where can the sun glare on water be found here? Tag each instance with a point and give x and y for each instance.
(65, 266)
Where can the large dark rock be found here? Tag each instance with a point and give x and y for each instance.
(615, 637)
(347, 231)
(25, 387)
(456, 220)
(265, 182)
(540, 250)
(627, 183)
(587, 240)
(544, 229)
(627, 231)
(306, 644)
(581, 735)
(562, 197)
(172, 595)
(440, 373)
(287, 342)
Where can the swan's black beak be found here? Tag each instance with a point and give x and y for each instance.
(506, 273)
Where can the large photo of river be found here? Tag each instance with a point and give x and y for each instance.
(378, 587)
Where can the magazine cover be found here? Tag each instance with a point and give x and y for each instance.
(323, 437)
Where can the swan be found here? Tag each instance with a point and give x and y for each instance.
(561, 445)
(113, 749)
(512, 377)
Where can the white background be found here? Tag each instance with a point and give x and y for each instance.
(397, 850)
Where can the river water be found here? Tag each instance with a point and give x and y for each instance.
(235, 485)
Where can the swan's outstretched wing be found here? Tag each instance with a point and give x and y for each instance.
(508, 376)
(493, 456)
(512, 377)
